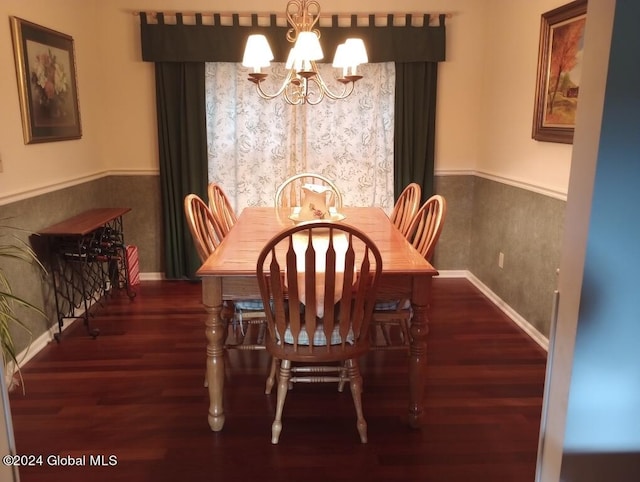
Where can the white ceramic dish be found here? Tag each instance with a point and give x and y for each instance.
(334, 216)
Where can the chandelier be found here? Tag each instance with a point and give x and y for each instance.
(303, 83)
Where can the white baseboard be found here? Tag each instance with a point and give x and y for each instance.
(452, 273)
(523, 324)
(48, 336)
(45, 338)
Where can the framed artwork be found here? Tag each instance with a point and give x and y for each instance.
(47, 86)
(559, 69)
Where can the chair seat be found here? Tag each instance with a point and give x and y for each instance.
(386, 305)
(391, 312)
(248, 305)
(245, 313)
(391, 305)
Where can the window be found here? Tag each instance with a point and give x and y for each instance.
(254, 144)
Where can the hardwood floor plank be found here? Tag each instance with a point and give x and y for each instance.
(136, 392)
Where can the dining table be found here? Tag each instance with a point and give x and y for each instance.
(229, 273)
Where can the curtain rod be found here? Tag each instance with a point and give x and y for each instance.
(173, 13)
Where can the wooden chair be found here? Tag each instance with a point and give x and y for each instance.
(321, 278)
(221, 207)
(406, 207)
(207, 234)
(289, 193)
(423, 233)
(205, 230)
(247, 312)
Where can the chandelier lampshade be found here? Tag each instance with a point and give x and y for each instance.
(348, 56)
(308, 46)
(257, 54)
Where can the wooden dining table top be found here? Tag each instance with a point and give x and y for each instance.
(238, 252)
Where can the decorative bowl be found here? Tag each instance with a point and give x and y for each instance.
(332, 215)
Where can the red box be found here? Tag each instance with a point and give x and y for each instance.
(133, 265)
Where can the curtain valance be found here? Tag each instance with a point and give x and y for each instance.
(179, 42)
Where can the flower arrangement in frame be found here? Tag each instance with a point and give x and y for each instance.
(559, 69)
(46, 72)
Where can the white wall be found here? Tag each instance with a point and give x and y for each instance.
(506, 148)
(484, 78)
(28, 169)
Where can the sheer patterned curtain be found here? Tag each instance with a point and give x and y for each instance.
(255, 144)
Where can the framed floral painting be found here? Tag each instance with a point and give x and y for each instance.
(46, 71)
(559, 69)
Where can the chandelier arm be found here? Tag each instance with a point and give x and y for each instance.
(283, 87)
(347, 88)
(295, 99)
(309, 97)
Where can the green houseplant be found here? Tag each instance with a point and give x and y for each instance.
(12, 248)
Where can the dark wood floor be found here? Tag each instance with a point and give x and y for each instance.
(136, 392)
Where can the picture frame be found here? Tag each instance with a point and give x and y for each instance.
(47, 83)
(558, 77)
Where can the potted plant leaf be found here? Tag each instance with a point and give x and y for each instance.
(12, 248)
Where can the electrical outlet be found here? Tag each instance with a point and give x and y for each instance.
(501, 260)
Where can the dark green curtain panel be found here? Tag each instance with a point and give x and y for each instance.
(415, 126)
(180, 52)
(182, 138)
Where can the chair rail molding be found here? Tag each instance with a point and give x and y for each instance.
(21, 195)
(546, 191)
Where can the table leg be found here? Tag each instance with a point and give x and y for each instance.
(418, 350)
(215, 330)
